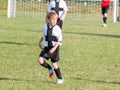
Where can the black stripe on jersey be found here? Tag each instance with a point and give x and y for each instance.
(57, 8)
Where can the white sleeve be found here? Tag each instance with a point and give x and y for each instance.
(43, 31)
(60, 35)
(49, 7)
(65, 6)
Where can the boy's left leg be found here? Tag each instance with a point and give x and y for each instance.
(58, 73)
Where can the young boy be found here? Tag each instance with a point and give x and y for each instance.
(105, 6)
(60, 7)
(52, 37)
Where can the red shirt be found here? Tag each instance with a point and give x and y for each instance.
(105, 3)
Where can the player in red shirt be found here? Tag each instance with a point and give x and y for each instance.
(105, 6)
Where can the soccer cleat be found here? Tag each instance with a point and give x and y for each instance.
(59, 81)
(51, 72)
(104, 25)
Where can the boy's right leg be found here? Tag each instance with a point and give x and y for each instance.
(46, 65)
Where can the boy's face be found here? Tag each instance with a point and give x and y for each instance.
(52, 21)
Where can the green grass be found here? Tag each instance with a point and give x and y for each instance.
(90, 55)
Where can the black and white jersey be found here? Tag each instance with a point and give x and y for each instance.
(51, 35)
(59, 7)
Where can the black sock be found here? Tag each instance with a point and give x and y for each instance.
(105, 20)
(46, 65)
(58, 73)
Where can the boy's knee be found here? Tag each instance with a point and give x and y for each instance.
(55, 65)
(40, 60)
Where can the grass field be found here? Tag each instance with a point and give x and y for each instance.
(90, 55)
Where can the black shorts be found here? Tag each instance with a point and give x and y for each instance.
(105, 9)
(53, 56)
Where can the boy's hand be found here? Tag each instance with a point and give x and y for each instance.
(62, 18)
(52, 50)
(40, 43)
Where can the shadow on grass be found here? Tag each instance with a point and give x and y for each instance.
(16, 43)
(3, 79)
(23, 80)
(93, 34)
(14, 79)
(99, 81)
(38, 31)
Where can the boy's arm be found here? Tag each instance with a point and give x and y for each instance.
(65, 11)
(63, 16)
(40, 43)
(55, 47)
